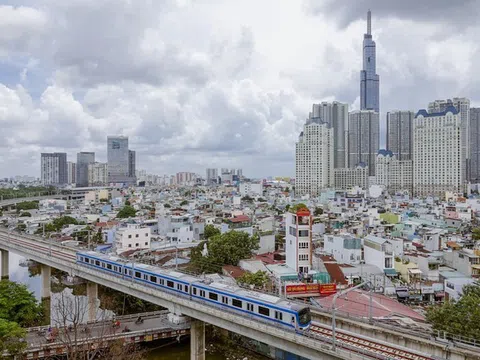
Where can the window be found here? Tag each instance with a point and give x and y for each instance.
(170, 283)
(224, 300)
(136, 244)
(153, 279)
(145, 277)
(162, 282)
(292, 231)
(137, 274)
(202, 293)
(303, 233)
(263, 311)
(249, 307)
(125, 271)
(179, 287)
(129, 236)
(146, 243)
(115, 268)
(146, 234)
(97, 262)
(194, 290)
(87, 260)
(186, 288)
(278, 315)
(303, 245)
(129, 245)
(109, 267)
(213, 296)
(237, 303)
(303, 257)
(136, 235)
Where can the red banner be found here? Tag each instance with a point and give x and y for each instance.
(327, 289)
(302, 288)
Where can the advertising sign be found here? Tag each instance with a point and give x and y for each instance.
(327, 289)
(293, 289)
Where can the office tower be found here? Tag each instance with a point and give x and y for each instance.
(97, 174)
(369, 80)
(475, 145)
(72, 172)
(118, 159)
(363, 138)
(394, 174)
(239, 173)
(335, 115)
(463, 107)
(399, 133)
(131, 164)
(83, 159)
(212, 176)
(437, 147)
(314, 159)
(54, 169)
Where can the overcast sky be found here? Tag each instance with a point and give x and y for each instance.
(214, 83)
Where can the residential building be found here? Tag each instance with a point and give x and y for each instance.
(437, 161)
(344, 248)
(53, 169)
(298, 240)
(379, 252)
(131, 164)
(463, 107)
(395, 175)
(475, 145)
(348, 178)
(314, 159)
(83, 160)
(399, 133)
(132, 237)
(238, 223)
(363, 138)
(335, 115)
(97, 174)
(212, 176)
(369, 80)
(72, 172)
(118, 159)
(248, 188)
(185, 178)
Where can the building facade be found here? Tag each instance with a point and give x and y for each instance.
(348, 178)
(394, 174)
(118, 159)
(298, 240)
(437, 146)
(212, 176)
(335, 115)
(132, 164)
(53, 169)
(97, 174)
(344, 248)
(83, 160)
(72, 172)
(475, 145)
(132, 237)
(185, 178)
(248, 188)
(399, 133)
(369, 80)
(314, 159)
(363, 138)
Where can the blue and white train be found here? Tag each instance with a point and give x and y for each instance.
(266, 307)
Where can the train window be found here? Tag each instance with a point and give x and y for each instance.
(87, 260)
(263, 311)
(97, 262)
(186, 288)
(249, 307)
(179, 287)
(103, 264)
(213, 296)
(130, 272)
(80, 258)
(138, 275)
(202, 293)
(162, 282)
(115, 268)
(194, 290)
(170, 283)
(237, 303)
(145, 277)
(153, 279)
(224, 300)
(109, 267)
(278, 315)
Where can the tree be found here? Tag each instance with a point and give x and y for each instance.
(11, 337)
(258, 279)
(126, 212)
(184, 202)
(26, 214)
(18, 304)
(318, 211)
(247, 198)
(297, 207)
(27, 205)
(476, 233)
(461, 317)
(261, 200)
(21, 227)
(210, 231)
(167, 205)
(62, 221)
(127, 202)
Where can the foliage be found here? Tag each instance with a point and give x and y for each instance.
(17, 304)
(11, 337)
(258, 279)
(123, 304)
(126, 212)
(261, 200)
(128, 203)
(287, 189)
(210, 231)
(27, 205)
(476, 233)
(167, 205)
(60, 222)
(24, 192)
(224, 249)
(297, 207)
(25, 214)
(318, 211)
(247, 198)
(461, 317)
(21, 227)
(184, 202)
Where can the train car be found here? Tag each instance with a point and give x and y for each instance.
(254, 304)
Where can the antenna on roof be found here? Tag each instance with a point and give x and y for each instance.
(369, 22)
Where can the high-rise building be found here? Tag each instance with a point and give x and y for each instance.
(335, 115)
(54, 169)
(97, 174)
(399, 133)
(475, 145)
(131, 163)
(463, 107)
(185, 178)
(394, 174)
(369, 80)
(72, 172)
(83, 160)
(437, 147)
(314, 159)
(363, 138)
(348, 178)
(212, 176)
(119, 160)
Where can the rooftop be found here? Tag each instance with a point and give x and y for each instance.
(424, 112)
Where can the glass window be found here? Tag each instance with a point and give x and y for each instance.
(153, 279)
(170, 283)
(264, 311)
(237, 303)
(213, 296)
(137, 274)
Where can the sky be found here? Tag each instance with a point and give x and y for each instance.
(214, 83)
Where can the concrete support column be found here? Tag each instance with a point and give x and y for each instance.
(197, 340)
(4, 274)
(92, 295)
(46, 275)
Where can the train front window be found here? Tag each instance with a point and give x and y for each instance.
(304, 316)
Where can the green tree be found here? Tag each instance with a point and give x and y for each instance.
(167, 205)
(247, 198)
(261, 200)
(184, 202)
(60, 222)
(258, 279)
(21, 227)
(210, 231)
(318, 211)
(27, 205)
(476, 233)
(127, 203)
(297, 207)
(26, 214)
(126, 212)
(458, 318)
(17, 304)
(11, 337)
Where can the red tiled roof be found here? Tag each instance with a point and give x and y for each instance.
(106, 224)
(336, 273)
(239, 218)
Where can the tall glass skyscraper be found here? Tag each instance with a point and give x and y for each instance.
(120, 160)
(369, 80)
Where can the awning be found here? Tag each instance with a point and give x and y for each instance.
(415, 271)
(390, 272)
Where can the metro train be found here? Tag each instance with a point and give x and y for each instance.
(263, 306)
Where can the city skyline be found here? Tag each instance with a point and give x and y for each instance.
(251, 91)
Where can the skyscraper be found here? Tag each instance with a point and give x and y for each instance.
(399, 133)
(475, 145)
(335, 115)
(54, 169)
(314, 159)
(212, 176)
(72, 172)
(83, 159)
(131, 163)
(369, 80)
(118, 159)
(363, 139)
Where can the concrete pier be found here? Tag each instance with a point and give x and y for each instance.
(197, 340)
(92, 295)
(46, 275)
(4, 274)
